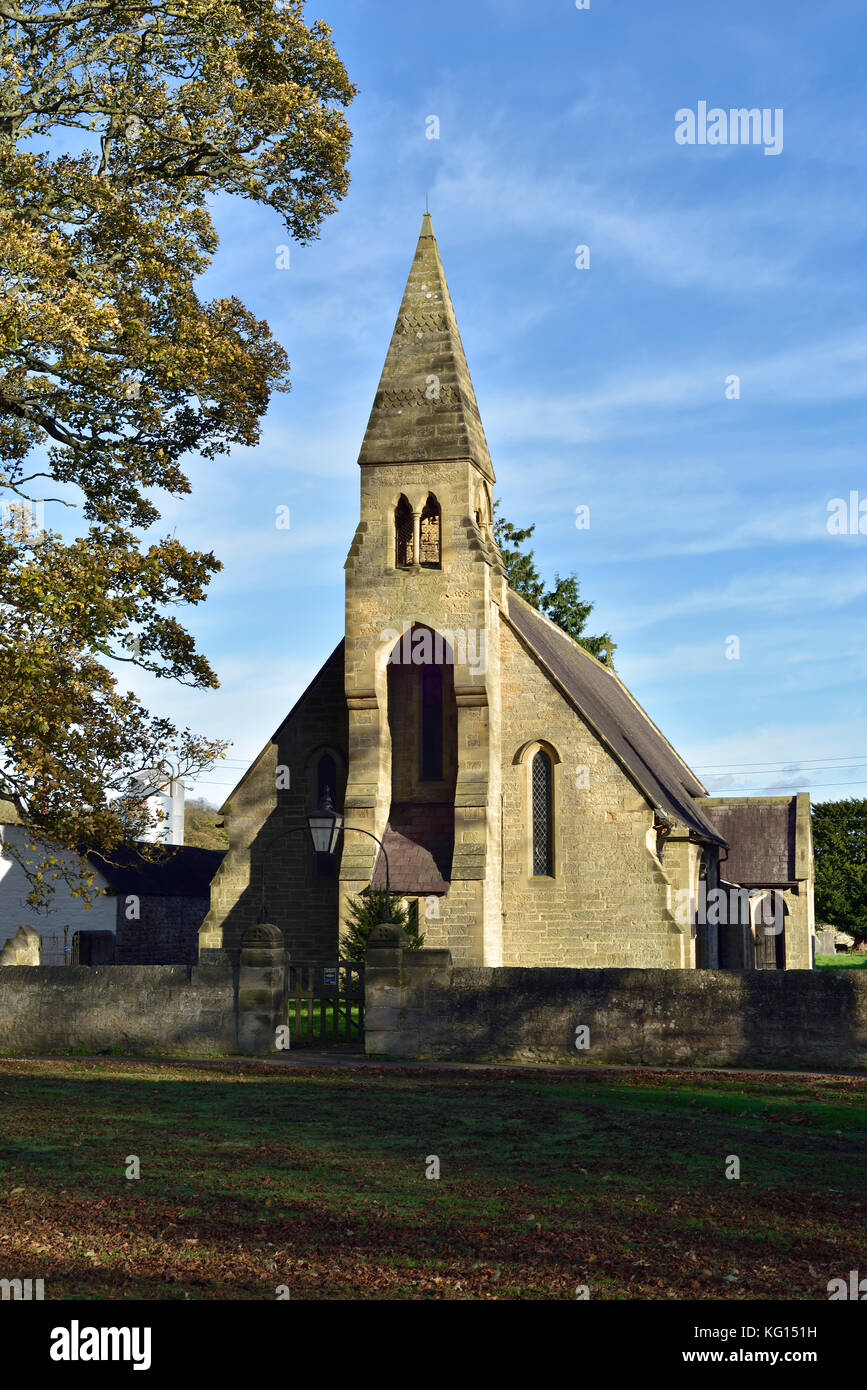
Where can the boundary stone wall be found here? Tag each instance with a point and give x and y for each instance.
(418, 1006)
(131, 1008)
(201, 1010)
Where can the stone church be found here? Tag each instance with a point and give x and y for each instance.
(531, 812)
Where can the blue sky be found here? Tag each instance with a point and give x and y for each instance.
(603, 387)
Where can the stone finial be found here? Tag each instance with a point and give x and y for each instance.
(386, 936)
(262, 934)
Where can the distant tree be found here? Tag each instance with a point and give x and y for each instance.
(520, 567)
(200, 826)
(562, 604)
(365, 913)
(840, 848)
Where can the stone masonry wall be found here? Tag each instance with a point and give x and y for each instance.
(261, 820)
(607, 904)
(135, 1008)
(419, 1007)
(458, 598)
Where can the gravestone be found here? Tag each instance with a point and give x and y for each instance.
(24, 948)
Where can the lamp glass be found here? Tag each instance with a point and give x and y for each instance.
(325, 826)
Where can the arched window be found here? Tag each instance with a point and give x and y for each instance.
(326, 779)
(542, 784)
(403, 554)
(431, 723)
(326, 785)
(403, 534)
(430, 548)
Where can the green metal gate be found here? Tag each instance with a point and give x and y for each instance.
(325, 1003)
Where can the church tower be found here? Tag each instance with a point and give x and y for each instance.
(530, 810)
(424, 587)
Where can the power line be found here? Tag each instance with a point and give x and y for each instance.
(792, 769)
(828, 761)
(753, 791)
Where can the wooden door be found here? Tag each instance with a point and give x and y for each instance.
(769, 934)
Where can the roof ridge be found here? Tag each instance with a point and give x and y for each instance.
(283, 722)
(663, 787)
(620, 681)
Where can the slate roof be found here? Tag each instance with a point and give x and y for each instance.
(184, 871)
(607, 706)
(419, 841)
(760, 832)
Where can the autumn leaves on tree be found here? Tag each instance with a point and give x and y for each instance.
(118, 123)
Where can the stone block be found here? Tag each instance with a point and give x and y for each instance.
(380, 1018)
(382, 1044)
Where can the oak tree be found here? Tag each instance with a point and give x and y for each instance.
(120, 124)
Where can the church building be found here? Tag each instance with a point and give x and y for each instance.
(531, 811)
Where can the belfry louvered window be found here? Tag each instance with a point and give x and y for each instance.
(543, 815)
(403, 550)
(429, 535)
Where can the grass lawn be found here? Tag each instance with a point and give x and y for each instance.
(324, 1023)
(854, 962)
(253, 1177)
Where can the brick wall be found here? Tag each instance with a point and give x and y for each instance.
(166, 934)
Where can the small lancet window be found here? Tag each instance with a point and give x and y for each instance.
(430, 549)
(403, 534)
(326, 779)
(543, 815)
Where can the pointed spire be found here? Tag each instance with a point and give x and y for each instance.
(425, 407)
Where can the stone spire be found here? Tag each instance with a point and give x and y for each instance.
(425, 407)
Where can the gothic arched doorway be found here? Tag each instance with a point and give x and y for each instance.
(423, 723)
